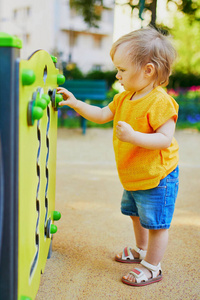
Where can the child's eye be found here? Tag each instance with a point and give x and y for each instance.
(120, 70)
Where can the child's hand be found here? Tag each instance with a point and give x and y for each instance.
(124, 132)
(68, 98)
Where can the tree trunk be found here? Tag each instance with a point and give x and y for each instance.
(153, 8)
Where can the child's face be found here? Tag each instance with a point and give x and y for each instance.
(129, 77)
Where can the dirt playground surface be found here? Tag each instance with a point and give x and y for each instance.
(92, 229)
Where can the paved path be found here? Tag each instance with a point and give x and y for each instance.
(92, 229)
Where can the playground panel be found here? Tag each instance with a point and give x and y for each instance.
(35, 132)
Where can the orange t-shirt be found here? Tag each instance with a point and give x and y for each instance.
(140, 168)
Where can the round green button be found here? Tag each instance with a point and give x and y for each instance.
(28, 77)
(41, 103)
(60, 79)
(37, 113)
(59, 98)
(53, 229)
(46, 98)
(56, 215)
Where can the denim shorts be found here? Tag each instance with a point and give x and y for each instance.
(154, 207)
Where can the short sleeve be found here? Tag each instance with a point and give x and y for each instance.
(163, 109)
(113, 104)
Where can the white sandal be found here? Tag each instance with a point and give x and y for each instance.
(127, 256)
(141, 279)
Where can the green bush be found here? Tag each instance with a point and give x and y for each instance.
(108, 76)
(182, 80)
(189, 106)
(71, 71)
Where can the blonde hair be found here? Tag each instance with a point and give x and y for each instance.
(147, 45)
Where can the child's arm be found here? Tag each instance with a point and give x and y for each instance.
(161, 139)
(89, 112)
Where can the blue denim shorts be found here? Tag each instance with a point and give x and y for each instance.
(154, 207)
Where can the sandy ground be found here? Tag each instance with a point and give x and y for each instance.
(92, 229)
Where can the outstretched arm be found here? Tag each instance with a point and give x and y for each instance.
(161, 139)
(89, 112)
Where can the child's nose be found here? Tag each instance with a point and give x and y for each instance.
(118, 76)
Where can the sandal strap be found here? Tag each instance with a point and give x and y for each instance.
(141, 252)
(127, 254)
(153, 269)
(139, 275)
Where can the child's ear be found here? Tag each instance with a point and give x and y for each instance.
(149, 70)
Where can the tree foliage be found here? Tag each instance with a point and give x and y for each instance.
(89, 9)
(189, 8)
(187, 41)
(142, 6)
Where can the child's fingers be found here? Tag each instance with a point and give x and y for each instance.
(118, 130)
(65, 93)
(120, 123)
(62, 103)
(61, 90)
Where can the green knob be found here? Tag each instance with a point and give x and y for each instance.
(46, 98)
(59, 98)
(53, 229)
(28, 77)
(25, 298)
(56, 215)
(41, 103)
(54, 58)
(60, 79)
(37, 113)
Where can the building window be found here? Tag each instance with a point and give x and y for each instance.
(28, 11)
(98, 9)
(21, 13)
(72, 38)
(26, 38)
(15, 14)
(96, 67)
(73, 12)
(97, 41)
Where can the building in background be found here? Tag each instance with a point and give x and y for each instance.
(53, 26)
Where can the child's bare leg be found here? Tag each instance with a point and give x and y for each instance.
(157, 245)
(141, 237)
(141, 234)
(158, 240)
